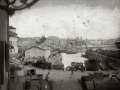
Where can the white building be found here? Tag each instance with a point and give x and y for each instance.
(13, 40)
(36, 51)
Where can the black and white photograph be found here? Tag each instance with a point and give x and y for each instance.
(59, 44)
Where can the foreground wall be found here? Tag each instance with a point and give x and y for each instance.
(3, 37)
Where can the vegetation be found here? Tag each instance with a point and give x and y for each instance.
(43, 39)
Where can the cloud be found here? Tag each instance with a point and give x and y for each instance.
(68, 21)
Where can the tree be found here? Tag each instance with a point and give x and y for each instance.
(43, 38)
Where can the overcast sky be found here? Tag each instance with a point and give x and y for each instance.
(69, 18)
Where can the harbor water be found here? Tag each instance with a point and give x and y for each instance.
(68, 58)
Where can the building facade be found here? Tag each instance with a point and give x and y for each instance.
(36, 52)
(13, 38)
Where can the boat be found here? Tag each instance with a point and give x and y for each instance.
(71, 51)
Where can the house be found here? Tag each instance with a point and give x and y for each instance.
(13, 38)
(36, 51)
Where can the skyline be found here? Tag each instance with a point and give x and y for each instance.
(68, 20)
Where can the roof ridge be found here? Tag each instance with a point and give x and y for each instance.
(36, 47)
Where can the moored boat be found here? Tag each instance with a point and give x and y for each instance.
(71, 51)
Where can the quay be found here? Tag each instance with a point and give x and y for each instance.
(102, 58)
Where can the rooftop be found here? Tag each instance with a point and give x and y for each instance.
(11, 27)
(39, 47)
(13, 34)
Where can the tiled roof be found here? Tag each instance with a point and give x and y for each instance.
(12, 34)
(36, 47)
(11, 27)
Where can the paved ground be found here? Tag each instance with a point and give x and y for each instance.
(67, 85)
(58, 75)
(63, 80)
